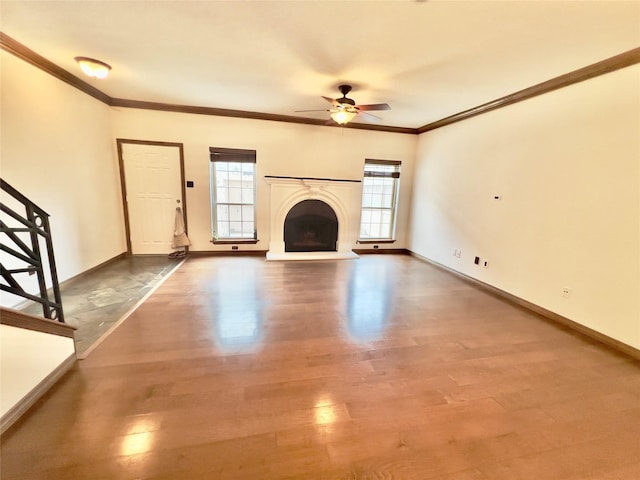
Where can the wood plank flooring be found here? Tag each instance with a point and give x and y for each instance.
(378, 368)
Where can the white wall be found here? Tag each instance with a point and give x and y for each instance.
(57, 149)
(567, 166)
(27, 358)
(284, 149)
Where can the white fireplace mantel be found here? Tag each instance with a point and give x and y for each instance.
(341, 195)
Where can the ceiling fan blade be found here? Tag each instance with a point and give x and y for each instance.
(322, 110)
(369, 117)
(374, 106)
(332, 101)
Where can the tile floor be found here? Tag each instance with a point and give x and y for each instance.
(96, 301)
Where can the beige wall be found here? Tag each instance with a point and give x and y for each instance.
(56, 149)
(282, 149)
(567, 167)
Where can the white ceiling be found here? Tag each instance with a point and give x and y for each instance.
(427, 59)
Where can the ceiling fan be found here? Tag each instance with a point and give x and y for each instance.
(344, 109)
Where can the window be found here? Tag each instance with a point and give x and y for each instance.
(379, 199)
(233, 192)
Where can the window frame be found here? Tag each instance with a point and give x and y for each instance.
(230, 155)
(394, 173)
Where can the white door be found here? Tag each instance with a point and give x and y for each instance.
(154, 190)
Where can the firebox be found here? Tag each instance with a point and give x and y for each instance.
(311, 226)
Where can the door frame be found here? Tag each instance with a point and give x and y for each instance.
(123, 186)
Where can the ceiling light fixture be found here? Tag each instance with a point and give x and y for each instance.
(92, 67)
(342, 117)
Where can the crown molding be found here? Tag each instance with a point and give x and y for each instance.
(608, 65)
(612, 64)
(223, 112)
(16, 48)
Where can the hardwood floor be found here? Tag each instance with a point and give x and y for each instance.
(378, 368)
(95, 302)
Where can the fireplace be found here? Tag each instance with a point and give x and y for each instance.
(313, 218)
(311, 226)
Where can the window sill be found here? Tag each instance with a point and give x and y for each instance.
(239, 241)
(370, 242)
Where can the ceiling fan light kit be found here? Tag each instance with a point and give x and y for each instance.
(342, 117)
(93, 68)
(345, 109)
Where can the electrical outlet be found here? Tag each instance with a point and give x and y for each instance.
(234, 247)
(375, 246)
(477, 261)
(566, 292)
(485, 263)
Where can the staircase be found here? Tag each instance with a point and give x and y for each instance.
(35, 352)
(22, 234)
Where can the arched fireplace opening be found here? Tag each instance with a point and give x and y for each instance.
(311, 226)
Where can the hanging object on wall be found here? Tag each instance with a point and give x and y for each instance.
(180, 239)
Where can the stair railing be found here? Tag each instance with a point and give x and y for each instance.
(35, 222)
